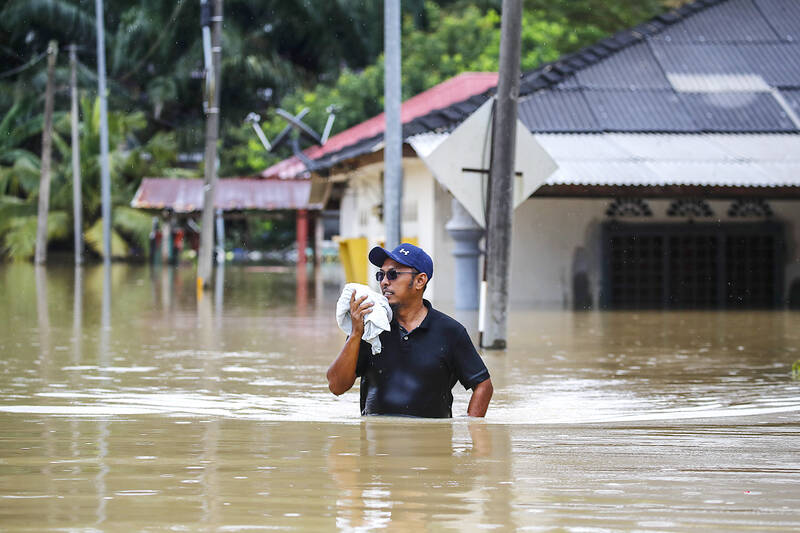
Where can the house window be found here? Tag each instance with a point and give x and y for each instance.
(692, 266)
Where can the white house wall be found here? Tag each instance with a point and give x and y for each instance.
(552, 236)
(358, 215)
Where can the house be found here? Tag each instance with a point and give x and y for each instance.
(677, 147)
(173, 198)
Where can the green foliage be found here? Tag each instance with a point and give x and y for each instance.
(18, 223)
(94, 240)
(464, 38)
(133, 224)
(796, 370)
(129, 162)
(309, 54)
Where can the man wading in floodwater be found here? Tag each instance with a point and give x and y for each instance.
(423, 354)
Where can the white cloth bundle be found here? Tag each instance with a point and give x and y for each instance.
(375, 322)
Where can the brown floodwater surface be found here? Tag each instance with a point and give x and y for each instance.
(128, 405)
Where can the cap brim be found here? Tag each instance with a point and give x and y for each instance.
(378, 255)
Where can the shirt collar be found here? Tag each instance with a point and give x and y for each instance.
(426, 322)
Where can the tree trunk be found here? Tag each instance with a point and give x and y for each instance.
(77, 204)
(47, 155)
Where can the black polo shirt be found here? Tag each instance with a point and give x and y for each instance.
(415, 372)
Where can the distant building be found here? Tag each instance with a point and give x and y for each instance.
(678, 182)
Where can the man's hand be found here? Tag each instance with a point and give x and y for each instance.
(481, 396)
(342, 372)
(358, 310)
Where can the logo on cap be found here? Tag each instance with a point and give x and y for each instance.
(404, 251)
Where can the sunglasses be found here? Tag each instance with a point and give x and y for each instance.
(392, 274)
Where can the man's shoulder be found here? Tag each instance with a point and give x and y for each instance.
(443, 320)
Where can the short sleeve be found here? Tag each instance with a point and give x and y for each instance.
(470, 368)
(364, 351)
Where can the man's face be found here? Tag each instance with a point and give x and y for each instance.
(401, 290)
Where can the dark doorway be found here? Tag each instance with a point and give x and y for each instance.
(692, 266)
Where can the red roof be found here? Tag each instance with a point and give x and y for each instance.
(231, 194)
(448, 92)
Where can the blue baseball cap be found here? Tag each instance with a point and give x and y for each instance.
(405, 254)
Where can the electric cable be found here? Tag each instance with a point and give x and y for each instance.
(23, 67)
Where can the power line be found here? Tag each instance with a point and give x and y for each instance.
(25, 66)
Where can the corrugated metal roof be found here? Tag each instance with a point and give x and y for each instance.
(731, 21)
(777, 63)
(631, 68)
(453, 90)
(562, 146)
(747, 160)
(783, 16)
(708, 51)
(602, 172)
(711, 58)
(737, 111)
(231, 194)
(556, 110)
(769, 147)
(792, 97)
(668, 147)
(570, 82)
(656, 110)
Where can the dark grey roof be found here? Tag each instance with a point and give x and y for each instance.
(710, 66)
(778, 63)
(558, 110)
(721, 66)
(783, 16)
(637, 111)
(792, 97)
(737, 111)
(713, 58)
(728, 22)
(631, 68)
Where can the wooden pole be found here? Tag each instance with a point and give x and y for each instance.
(501, 207)
(77, 204)
(205, 255)
(40, 256)
(319, 235)
(302, 237)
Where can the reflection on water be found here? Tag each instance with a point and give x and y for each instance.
(128, 403)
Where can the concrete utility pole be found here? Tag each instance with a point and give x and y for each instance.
(393, 148)
(47, 156)
(205, 256)
(77, 204)
(501, 178)
(105, 176)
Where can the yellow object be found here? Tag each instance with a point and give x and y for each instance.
(409, 240)
(199, 288)
(353, 255)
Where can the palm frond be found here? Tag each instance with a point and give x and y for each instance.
(68, 18)
(12, 207)
(20, 233)
(133, 223)
(94, 240)
(19, 239)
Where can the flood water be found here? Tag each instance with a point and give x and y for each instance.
(146, 410)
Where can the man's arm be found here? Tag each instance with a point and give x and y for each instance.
(342, 372)
(481, 396)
